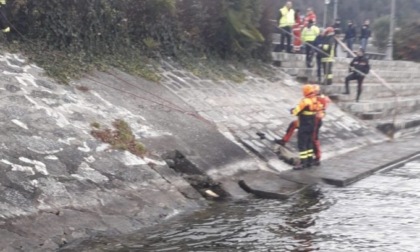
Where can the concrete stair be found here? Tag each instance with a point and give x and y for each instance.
(340, 74)
(378, 105)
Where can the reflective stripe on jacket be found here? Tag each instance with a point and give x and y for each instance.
(306, 110)
(328, 48)
(310, 34)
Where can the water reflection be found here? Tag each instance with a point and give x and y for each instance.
(379, 213)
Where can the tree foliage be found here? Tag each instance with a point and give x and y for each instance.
(381, 34)
(225, 27)
(407, 42)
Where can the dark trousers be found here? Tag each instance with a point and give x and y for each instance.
(328, 75)
(318, 68)
(359, 78)
(315, 138)
(335, 48)
(286, 35)
(305, 145)
(3, 18)
(309, 53)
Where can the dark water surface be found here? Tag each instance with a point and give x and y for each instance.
(380, 213)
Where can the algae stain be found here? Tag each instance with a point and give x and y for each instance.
(120, 138)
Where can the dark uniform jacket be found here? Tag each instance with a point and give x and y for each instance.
(365, 32)
(350, 33)
(360, 64)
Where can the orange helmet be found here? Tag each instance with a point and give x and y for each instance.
(328, 31)
(308, 90)
(317, 88)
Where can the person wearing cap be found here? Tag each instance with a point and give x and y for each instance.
(327, 55)
(309, 35)
(286, 21)
(321, 107)
(310, 15)
(306, 111)
(359, 68)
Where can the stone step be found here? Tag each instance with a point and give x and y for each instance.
(383, 107)
(373, 90)
(340, 74)
(344, 62)
(345, 65)
(402, 125)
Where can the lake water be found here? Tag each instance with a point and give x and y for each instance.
(380, 213)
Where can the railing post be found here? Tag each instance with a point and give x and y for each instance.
(390, 47)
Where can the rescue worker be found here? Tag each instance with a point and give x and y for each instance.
(310, 15)
(359, 68)
(318, 41)
(322, 103)
(297, 32)
(327, 57)
(289, 133)
(3, 18)
(286, 21)
(306, 110)
(309, 35)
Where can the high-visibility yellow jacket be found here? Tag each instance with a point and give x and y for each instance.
(310, 34)
(306, 110)
(287, 17)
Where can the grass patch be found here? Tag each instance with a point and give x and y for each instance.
(120, 138)
(95, 125)
(65, 66)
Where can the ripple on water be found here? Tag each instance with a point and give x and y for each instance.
(379, 213)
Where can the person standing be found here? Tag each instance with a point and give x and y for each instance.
(359, 68)
(337, 32)
(317, 43)
(322, 103)
(350, 35)
(327, 57)
(309, 35)
(365, 34)
(4, 26)
(286, 21)
(306, 111)
(310, 15)
(297, 33)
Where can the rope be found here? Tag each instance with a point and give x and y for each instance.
(171, 106)
(377, 76)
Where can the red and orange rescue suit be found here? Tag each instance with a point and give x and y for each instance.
(322, 103)
(306, 110)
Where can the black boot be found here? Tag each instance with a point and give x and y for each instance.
(280, 142)
(316, 162)
(298, 166)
